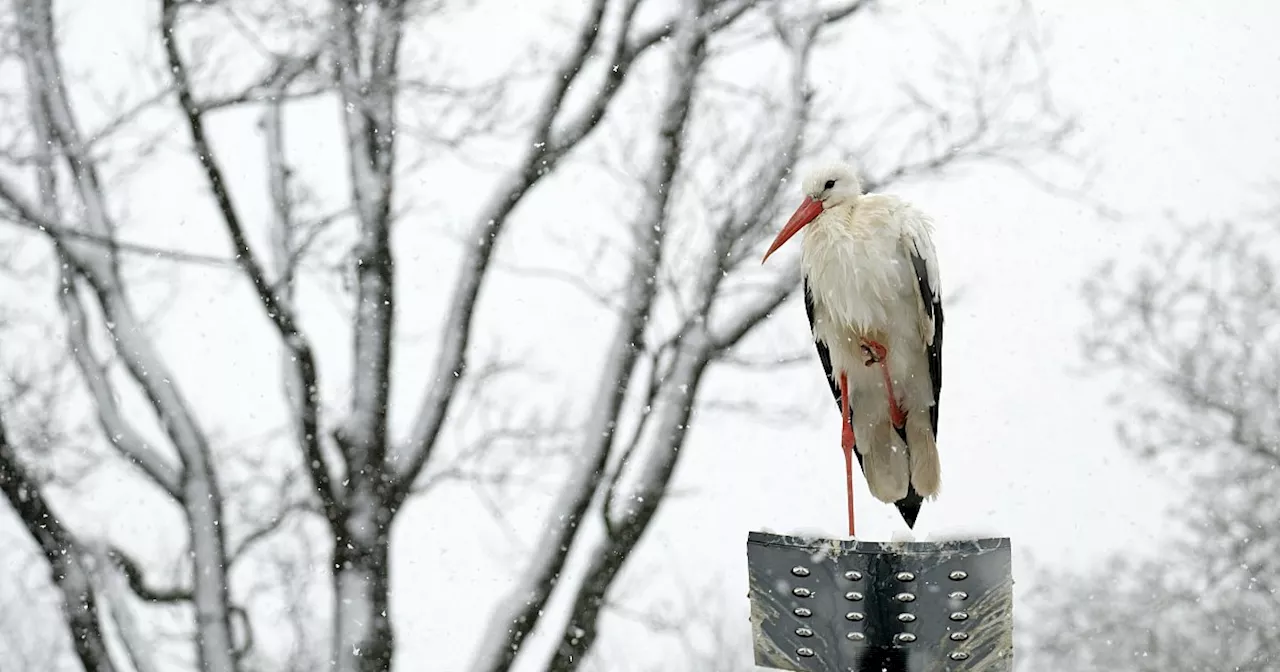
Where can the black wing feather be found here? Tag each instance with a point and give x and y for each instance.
(824, 354)
(908, 506)
(933, 308)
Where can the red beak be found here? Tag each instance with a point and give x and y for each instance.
(804, 214)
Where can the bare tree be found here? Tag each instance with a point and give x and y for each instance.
(706, 166)
(1190, 328)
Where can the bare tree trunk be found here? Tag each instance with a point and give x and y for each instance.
(367, 43)
(362, 621)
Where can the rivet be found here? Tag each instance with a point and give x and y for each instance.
(802, 612)
(853, 596)
(959, 595)
(907, 618)
(854, 616)
(804, 632)
(802, 592)
(959, 636)
(959, 655)
(804, 652)
(905, 597)
(906, 576)
(800, 571)
(853, 575)
(855, 636)
(959, 616)
(905, 637)
(958, 575)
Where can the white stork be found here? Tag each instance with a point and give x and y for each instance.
(872, 294)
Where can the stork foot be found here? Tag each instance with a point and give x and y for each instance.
(874, 352)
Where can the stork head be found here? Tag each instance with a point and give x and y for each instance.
(830, 186)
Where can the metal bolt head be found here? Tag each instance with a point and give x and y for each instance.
(959, 616)
(959, 636)
(855, 636)
(804, 652)
(853, 596)
(800, 571)
(959, 595)
(905, 637)
(958, 575)
(802, 612)
(804, 632)
(801, 592)
(905, 597)
(855, 616)
(959, 655)
(853, 575)
(907, 618)
(906, 576)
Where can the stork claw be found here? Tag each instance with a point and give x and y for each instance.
(874, 352)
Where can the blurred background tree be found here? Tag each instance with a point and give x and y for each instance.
(1188, 327)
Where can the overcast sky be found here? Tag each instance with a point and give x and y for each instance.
(1180, 103)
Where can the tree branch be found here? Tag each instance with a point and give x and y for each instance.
(540, 160)
(68, 236)
(673, 412)
(201, 499)
(137, 582)
(118, 430)
(272, 87)
(522, 609)
(63, 554)
(278, 311)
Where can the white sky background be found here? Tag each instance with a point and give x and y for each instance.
(1178, 97)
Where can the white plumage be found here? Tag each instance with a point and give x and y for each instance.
(871, 285)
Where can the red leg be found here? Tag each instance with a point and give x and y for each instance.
(877, 353)
(895, 412)
(847, 443)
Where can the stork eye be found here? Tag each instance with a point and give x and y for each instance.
(829, 184)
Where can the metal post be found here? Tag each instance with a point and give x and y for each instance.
(823, 605)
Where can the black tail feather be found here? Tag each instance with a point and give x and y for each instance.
(909, 506)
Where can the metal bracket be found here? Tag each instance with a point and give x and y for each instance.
(825, 605)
